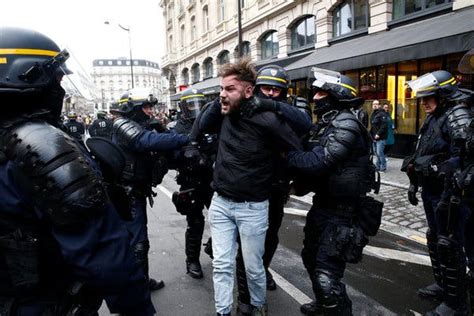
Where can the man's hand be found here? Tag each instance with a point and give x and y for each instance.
(255, 105)
(412, 194)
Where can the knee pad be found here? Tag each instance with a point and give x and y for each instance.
(450, 251)
(329, 291)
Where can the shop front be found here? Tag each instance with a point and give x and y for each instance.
(381, 71)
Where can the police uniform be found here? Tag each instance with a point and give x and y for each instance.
(74, 128)
(338, 169)
(138, 144)
(63, 247)
(101, 127)
(436, 157)
(194, 178)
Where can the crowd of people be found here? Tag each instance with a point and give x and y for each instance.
(73, 212)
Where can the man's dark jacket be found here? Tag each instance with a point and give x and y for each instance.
(247, 149)
(379, 124)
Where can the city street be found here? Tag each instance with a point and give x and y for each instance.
(384, 283)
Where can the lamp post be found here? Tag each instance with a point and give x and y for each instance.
(130, 46)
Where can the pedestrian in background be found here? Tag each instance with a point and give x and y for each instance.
(390, 129)
(378, 131)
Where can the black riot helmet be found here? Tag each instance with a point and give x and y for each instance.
(341, 89)
(131, 102)
(31, 68)
(190, 103)
(339, 86)
(272, 76)
(101, 115)
(72, 115)
(440, 84)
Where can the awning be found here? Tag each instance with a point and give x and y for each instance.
(449, 33)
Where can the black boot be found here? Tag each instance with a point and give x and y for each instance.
(226, 314)
(432, 291)
(271, 284)
(308, 308)
(155, 285)
(244, 309)
(194, 269)
(470, 279)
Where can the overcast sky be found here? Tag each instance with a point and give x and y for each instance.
(79, 26)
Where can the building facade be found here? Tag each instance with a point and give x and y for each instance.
(112, 78)
(380, 44)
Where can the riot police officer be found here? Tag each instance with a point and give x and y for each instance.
(73, 127)
(342, 215)
(436, 156)
(63, 247)
(138, 144)
(194, 179)
(102, 126)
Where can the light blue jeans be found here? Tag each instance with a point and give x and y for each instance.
(381, 163)
(227, 220)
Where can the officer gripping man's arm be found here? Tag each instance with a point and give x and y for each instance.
(342, 216)
(62, 246)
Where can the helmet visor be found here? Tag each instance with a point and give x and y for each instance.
(191, 107)
(424, 85)
(75, 81)
(331, 81)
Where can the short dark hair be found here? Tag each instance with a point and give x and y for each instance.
(243, 69)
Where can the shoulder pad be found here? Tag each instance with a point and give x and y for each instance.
(56, 172)
(126, 130)
(459, 118)
(343, 138)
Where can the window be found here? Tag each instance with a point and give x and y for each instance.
(193, 29)
(223, 58)
(406, 101)
(349, 16)
(245, 49)
(303, 33)
(182, 36)
(195, 72)
(242, 3)
(205, 19)
(170, 44)
(221, 13)
(185, 75)
(270, 45)
(208, 69)
(407, 7)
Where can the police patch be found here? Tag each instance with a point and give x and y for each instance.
(273, 72)
(3, 60)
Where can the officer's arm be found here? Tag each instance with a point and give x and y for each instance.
(308, 162)
(208, 121)
(297, 119)
(152, 141)
(281, 133)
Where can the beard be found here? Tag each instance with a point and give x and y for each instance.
(229, 106)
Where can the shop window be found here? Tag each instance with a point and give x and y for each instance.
(350, 16)
(245, 49)
(270, 45)
(303, 33)
(406, 107)
(406, 7)
(195, 72)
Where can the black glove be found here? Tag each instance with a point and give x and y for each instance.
(255, 105)
(412, 194)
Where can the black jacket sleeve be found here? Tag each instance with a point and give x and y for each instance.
(208, 121)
